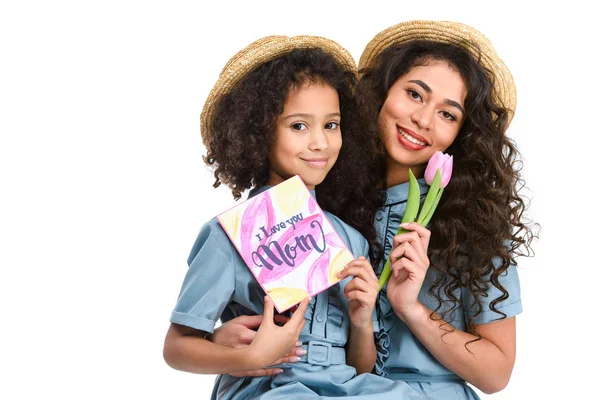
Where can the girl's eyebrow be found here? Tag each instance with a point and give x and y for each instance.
(449, 102)
(307, 116)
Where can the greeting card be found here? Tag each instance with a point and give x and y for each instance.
(287, 242)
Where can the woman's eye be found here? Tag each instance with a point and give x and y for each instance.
(448, 116)
(332, 125)
(299, 126)
(414, 94)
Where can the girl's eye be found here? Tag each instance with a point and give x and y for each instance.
(448, 116)
(332, 125)
(414, 94)
(299, 126)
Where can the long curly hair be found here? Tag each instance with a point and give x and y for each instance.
(243, 127)
(479, 228)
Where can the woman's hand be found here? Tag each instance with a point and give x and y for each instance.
(240, 332)
(409, 269)
(273, 342)
(361, 292)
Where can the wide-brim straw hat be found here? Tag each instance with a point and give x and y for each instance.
(257, 53)
(454, 33)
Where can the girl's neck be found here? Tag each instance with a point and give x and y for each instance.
(398, 174)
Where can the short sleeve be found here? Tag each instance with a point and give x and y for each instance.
(510, 306)
(209, 283)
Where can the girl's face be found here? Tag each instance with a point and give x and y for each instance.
(307, 135)
(423, 113)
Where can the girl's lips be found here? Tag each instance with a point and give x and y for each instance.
(316, 162)
(407, 143)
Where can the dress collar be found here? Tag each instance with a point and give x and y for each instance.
(399, 193)
(261, 189)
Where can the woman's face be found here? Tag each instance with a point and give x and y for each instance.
(423, 113)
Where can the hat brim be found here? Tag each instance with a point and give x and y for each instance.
(257, 53)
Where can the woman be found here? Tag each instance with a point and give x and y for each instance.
(447, 315)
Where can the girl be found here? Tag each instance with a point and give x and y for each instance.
(448, 312)
(277, 111)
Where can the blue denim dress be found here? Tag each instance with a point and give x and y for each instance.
(219, 285)
(400, 355)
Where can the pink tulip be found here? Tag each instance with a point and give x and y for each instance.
(440, 161)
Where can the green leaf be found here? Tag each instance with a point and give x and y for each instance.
(433, 207)
(414, 199)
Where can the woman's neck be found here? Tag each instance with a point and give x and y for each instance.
(397, 174)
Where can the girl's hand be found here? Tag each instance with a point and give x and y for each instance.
(240, 332)
(409, 269)
(273, 342)
(361, 292)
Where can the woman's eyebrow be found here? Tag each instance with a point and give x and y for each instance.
(428, 90)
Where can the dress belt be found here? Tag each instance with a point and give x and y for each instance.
(413, 377)
(321, 353)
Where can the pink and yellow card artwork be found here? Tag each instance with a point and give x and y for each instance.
(287, 242)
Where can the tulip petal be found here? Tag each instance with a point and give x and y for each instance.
(435, 163)
(446, 172)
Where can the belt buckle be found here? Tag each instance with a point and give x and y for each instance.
(318, 353)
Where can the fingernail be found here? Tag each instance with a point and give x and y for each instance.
(298, 344)
(339, 274)
(278, 370)
(405, 224)
(294, 359)
(300, 352)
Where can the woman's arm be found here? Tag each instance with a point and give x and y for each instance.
(239, 332)
(185, 348)
(485, 363)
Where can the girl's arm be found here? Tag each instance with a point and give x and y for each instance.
(486, 363)
(185, 349)
(361, 293)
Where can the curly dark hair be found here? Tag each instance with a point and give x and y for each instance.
(243, 127)
(485, 182)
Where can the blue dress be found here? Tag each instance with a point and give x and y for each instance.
(219, 285)
(400, 355)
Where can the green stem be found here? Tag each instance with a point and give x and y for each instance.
(410, 213)
(387, 270)
(431, 196)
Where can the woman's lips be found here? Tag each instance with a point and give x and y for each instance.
(402, 134)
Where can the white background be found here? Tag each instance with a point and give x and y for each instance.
(103, 190)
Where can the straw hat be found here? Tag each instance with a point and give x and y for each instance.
(453, 33)
(257, 53)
